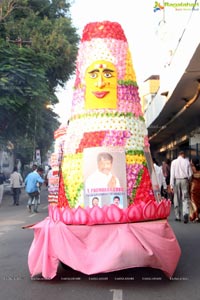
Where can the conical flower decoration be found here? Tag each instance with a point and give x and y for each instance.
(106, 117)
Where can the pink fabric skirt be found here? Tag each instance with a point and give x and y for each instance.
(102, 248)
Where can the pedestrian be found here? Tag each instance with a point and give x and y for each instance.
(16, 181)
(195, 191)
(160, 177)
(34, 167)
(180, 174)
(2, 180)
(33, 182)
(49, 174)
(166, 172)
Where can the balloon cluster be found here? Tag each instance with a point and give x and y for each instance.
(111, 214)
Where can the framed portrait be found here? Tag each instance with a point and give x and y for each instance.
(104, 171)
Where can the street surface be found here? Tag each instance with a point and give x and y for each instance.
(138, 283)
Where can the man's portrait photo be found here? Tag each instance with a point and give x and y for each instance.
(104, 173)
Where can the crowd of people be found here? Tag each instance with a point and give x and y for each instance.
(32, 183)
(178, 180)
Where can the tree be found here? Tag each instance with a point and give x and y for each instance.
(38, 48)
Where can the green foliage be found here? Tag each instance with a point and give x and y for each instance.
(38, 48)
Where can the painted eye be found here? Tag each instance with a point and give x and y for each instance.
(93, 75)
(107, 75)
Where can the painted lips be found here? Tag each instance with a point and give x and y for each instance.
(100, 94)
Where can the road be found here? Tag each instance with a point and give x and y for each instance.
(138, 283)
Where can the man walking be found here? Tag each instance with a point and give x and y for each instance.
(179, 181)
(32, 184)
(16, 184)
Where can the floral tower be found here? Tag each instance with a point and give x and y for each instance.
(104, 150)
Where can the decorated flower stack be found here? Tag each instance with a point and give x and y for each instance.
(106, 116)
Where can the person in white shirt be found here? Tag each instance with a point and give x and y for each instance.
(159, 175)
(103, 177)
(181, 173)
(16, 184)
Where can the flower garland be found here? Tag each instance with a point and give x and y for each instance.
(121, 127)
(72, 170)
(101, 30)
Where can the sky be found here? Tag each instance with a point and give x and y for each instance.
(140, 24)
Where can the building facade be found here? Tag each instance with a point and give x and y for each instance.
(172, 108)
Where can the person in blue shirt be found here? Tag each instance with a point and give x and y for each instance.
(33, 181)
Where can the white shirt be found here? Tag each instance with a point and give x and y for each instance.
(160, 177)
(100, 180)
(16, 180)
(180, 168)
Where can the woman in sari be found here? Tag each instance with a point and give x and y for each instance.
(195, 191)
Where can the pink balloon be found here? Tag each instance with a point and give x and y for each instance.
(114, 214)
(97, 215)
(67, 215)
(134, 213)
(56, 214)
(161, 211)
(149, 210)
(81, 216)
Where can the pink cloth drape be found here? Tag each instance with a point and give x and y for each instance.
(102, 248)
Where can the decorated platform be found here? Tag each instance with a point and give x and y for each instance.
(102, 248)
(105, 208)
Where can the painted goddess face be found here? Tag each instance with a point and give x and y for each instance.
(101, 85)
